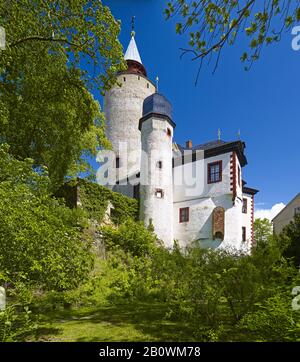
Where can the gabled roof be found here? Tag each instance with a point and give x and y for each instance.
(132, 52)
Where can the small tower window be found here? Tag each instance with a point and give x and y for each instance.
(117, 162)
(243, 233)
(159, 164)
(169, 133)
(159, 193)
(147, 85)
(139, 77)
(245, 206)
(124, 79)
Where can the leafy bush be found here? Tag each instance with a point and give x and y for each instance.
(131, 237)
(15, 322)
(290, 238)
(40, 238)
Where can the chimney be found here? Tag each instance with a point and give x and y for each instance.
(189, 144)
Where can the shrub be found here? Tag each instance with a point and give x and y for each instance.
(40, 239)
(131, 237)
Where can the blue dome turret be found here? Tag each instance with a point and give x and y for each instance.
(157, 105)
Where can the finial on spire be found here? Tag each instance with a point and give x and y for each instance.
(157, 81)
(239, 134)
(132, 26)
(219, 134)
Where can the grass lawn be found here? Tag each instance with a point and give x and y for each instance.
(121, 322)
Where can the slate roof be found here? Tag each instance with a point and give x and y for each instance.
(218, 147)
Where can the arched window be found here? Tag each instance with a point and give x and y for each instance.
(218, 223)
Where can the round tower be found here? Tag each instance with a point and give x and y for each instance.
(156, 184)
(123, 107)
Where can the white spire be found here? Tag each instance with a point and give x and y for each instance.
(132, 52)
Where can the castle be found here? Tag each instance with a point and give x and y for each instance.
(188, 193)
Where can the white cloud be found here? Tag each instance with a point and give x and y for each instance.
(269, 213)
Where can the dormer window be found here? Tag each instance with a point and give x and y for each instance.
(214, 172)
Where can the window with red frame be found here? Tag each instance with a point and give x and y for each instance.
(184, 214)
(214, 172)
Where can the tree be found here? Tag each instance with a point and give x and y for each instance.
(40, 239)
(56, 53)
(215, 24)
(263, 230)
(290, 237)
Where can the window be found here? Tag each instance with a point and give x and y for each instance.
(296, 211)
(147, 85)
(243, 233)
(245, 206)
(239, 176)
(159, 193)
(184, 214)
(159, 164)
(169, 133)
(117, 162)
(214, 172)
(124, 79)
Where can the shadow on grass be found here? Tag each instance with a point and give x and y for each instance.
(148, 319)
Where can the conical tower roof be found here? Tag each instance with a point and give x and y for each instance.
(133, 59)
(132, 52)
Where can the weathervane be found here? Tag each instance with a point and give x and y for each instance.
(219, 134)
(157, 81)
(239, 134)
(132, 26)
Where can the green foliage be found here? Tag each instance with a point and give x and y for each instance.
(95, 198)
(223, 297)
(272, 321)
(47, 109)
(131, 237)
(212, 25)
(15, 322)
(40, 238)
(263, 230)
(290, 238)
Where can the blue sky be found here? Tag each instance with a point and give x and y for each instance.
(263, 103)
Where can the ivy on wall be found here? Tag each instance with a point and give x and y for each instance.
(94, 199)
